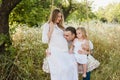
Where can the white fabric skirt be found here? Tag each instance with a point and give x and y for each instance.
(62, 65)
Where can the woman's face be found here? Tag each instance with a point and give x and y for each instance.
(59, 17)
(79, 34)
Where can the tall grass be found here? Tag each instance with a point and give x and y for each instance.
(106, 40)
(26, 62)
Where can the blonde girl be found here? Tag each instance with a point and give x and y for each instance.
(80, 47)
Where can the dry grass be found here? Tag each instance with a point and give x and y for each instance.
(27, 61)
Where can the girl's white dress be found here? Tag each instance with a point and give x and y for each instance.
(62, 64)
(80, 58)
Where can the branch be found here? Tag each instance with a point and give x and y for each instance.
(71, 8)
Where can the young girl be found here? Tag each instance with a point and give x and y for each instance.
(81, 45)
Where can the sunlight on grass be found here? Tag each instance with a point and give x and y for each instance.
(27, 61)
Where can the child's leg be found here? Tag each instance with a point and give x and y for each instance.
(84, 70)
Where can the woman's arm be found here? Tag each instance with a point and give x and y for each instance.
(47, 52)
(51, 28)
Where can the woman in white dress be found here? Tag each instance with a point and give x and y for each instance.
(62, 64)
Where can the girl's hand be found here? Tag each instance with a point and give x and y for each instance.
(80, 51)
(47, 53)
(83, 52)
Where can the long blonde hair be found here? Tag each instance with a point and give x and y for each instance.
(53, 17)
(84, 33)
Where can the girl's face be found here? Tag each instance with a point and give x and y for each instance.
(59, 17)
(79, 34)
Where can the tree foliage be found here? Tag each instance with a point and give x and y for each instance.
(6, 6)
(35, 12)
(31, 12)
(80, 14)
(110, 13)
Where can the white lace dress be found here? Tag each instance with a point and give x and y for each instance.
(62, 64)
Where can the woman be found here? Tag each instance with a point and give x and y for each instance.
(62, 64)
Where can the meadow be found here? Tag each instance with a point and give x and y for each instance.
(25, 62)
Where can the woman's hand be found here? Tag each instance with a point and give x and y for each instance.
(47, 53)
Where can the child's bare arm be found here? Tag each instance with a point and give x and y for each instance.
(71, 49)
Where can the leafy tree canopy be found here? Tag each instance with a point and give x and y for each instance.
(35, 12)
(31, 12)
(110, 13)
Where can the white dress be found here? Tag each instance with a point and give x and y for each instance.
(62, 64)
(80, 58)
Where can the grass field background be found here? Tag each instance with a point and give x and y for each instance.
(26, 61)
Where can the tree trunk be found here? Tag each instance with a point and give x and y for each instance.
(66, 12)
(4, 29)
(5, 8)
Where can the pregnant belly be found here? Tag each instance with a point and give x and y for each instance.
(59, 43)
